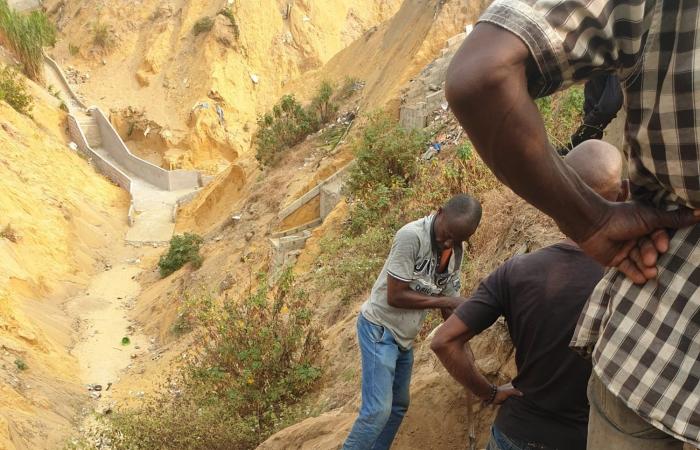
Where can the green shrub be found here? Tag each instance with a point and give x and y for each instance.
(289, 123)
(285, 126)
(202, 25)
(184, 248)
(13, 90)
(26, 35)
(73, 49)
(102, 35)
(386, 162)
(323, 105)
(252, 362)
(21, 365)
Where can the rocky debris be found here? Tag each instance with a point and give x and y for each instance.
(74, 76)
(104, 410)
(249, 235)
(227, 283)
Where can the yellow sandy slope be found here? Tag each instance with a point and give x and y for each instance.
(56, 217)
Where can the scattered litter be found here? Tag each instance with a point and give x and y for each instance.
(148, 130)
(220, 113)
(109, 385)
(73, 146)
(306, 19)
(444, 105)
(200, 105)
(468, 29)
(94, 387)
(254, 78)
(95, 395)
(429, 154)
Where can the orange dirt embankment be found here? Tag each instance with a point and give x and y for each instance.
(58, 218)
(155, 63)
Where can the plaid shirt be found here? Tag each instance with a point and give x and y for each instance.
(645, 339)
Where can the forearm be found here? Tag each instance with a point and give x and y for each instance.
(458, 359)
(410, 299)
(491, 101)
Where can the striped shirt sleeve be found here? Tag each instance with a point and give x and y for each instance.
(570, 40)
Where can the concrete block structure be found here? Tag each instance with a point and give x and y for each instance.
(426, 92)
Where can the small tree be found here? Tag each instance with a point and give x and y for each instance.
(13, 90)
(322, 103)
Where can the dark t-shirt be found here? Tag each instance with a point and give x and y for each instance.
(541, 295)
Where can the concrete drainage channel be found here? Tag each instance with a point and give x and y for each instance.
(286, 245)
(155, 192)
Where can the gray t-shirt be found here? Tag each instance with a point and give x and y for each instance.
(414, 259)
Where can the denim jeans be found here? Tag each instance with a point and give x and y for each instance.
(612, 425)
(500, 441)
(386, 376)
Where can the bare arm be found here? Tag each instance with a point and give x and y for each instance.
(400, 295)
(487, 90)
(451, 345)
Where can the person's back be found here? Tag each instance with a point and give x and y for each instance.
(541, 295)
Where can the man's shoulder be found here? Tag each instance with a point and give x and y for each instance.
(561, 253)
(419, 228)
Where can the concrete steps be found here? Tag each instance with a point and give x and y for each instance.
(91, 131)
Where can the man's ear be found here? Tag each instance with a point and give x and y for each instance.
(624, 191)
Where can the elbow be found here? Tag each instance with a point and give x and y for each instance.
(439, 344)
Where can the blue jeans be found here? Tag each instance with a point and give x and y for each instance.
(500, 441)
(386, 376)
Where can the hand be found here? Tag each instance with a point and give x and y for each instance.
(504, 392)
(452, 303)
(621, 229)
(645, 254)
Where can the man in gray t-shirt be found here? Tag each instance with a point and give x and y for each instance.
(421, 273)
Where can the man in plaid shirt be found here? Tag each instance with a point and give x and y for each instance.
(642, 323)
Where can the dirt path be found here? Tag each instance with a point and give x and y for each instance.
(101, 314)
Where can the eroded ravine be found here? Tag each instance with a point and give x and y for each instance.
(107, 340)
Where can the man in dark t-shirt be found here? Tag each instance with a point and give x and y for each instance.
(541, 296)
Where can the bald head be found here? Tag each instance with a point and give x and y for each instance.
(599, 165)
